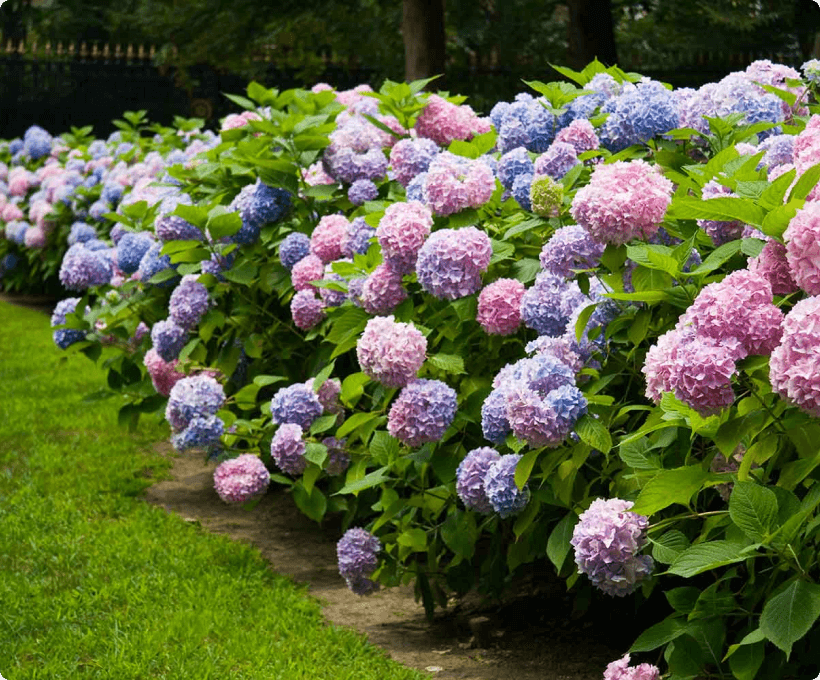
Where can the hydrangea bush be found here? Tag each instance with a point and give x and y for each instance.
(541, 336)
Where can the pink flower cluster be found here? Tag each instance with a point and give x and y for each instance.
(401, 233)
(163, 373)
(453, 183)
(444, 122)
(802, 238)
(794, 368)
(382, 291)
(623, 200)
(241, 479)
(238, 120)
(621, 670)
(773, 264)
(391, 352)
(697, 359)
(499, 306)
(306, 309)
(807, 152)
(580, 133)
(327, 237)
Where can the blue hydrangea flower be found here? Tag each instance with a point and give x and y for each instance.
(98, 209)
(359, 238)
(168, 339)
(557, 161)
(82, 268)
(258, 204)
(779, 151)
(512, 164)
(111, 193)
(152, 263)
(638, 114)
(499, 485)
(361, 191)
(357, 553)
(494, 423)
(192, 397)
(201, 433)
(64, 337)
(415, 190)
(470, 479)
(521, 190)
(547, 305)
(15, 146)
(293, 248)
(37, 142)
(170, 227)
(523, 122)
(131, 249)
(297, 404)
(570, 247)
(80, 233)
(422, 412)
(188, 302)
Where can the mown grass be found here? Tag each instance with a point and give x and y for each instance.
(95, 583)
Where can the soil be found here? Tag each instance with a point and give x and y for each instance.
(526, 638)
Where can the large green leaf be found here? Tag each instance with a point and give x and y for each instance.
(459, 533)
(670, 487)
(593, 432)
(558, 545)
(659, 634)
(705, 556)
(753, 508)
(790, 613)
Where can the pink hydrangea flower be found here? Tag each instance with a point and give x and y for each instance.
(580, 133)
(702, 375)
(802, 238)
(309, 268)
(382, 291)
(315, 175)
(453, 183)
(794, 367)
(163, 373)
(451, 261)
(288, 448)
(238, 120)
(306, 309)
(241, 479)
(499, 307)
(326, 240)
(623, 200)
(621, 670)
(401, 233)
(391, 352)
(444, 122)
(772, 264)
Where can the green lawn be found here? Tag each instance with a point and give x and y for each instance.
(95, 583)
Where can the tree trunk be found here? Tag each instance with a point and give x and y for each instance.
(591, 34)
(423, 33)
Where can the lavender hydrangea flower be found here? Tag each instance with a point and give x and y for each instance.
(288, 449)
(200, 433)
(188, 302)
(65, 337)
(512, 164)
(82, 268)
(548, 304)
(306, 309)
(169, 227)
(131, 248)
(607, 540)
(422, 412)
(196, 396)
(358, 239)
(570, 247)
(621, 670)
(470, 479)
(330, 296)
(402, 232)
(521, 189)
(152, 263)
(381, 292)
(451, 261)
(111, 192)
(345, 164)
(557, 161)
(494, 423)
(168, 338)
(296, 403)
(357, 554)
(293, 248)
(499, 484)
(80, 233)
(411, 157)
(391, 352)
(361, 191)
(241, 479)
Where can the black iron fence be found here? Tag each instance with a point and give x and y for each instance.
(58, 86)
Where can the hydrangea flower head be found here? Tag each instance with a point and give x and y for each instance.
(794, 367)
(638, 114)
(451, 261)
(570, 247)
(310, 268)
(422, 412)
(361, 191)
(470, 479)
(168, 338)
(774, 266)
(288, 449)
(293, 248)
(359, 235)
(720, 232)
(152, 263)
(453, 183)
(327, 237)
(494, 423)
(547, 305)
(306, 309)
(607, 540)
(512, 164)
(802, 238)
(391, 352)
(357, 553)
(444, 122)
(131, 248)
(241, 479)
(621, 670)
(200, 433)
(80, 233)
(382, 291)
(499, 307)
(402, 232)
(296, 403)
(188, 302)
(82, 268)
(521, 190)
(258, 204)
(580, 133)
(163, 373)
(556, 161)
(499, 485)
(546, 196)
(623, 200)
(811, 71)
(410, 157)
(347, 164)
(65, 337)
(195, 396)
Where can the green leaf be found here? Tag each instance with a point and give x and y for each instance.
(449, 363)
(668, 547)
(808, 180)
(705, 556)
(312, 503)
(790, 613)
(384, 448)
(717, 258)
(593, 432)
(646, 280)
(669, 487)
(225, 224)
(581, 321)
(639, 326)
(415, 539)
(246, 397)
(658, 635)
(753, 508)
(263, 380)
(244, 273)
(558, 545)
(524, 468)
(778, 219)
(353, 388)
(683, 599)
(354, 421)
(323, 423)
(724, 209)
(368, 481)
(746, 662)
(316, 453)
(459, 533)
(636, 455)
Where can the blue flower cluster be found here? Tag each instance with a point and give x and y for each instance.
(361, 191)
(80, 233)
(297, 404)
(168, 339)
(201, 432)
(152, 263)
(638, 114)
(64, 337)
(37, 143)
(192, 403)
(499, 485)
(188, 302)
(547, 305)
(258, 204)
(523, 122)
(293, 248)
(131, 249)
(82, 268)
(512, 164)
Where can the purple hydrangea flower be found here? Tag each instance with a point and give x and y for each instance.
(719, 231)
(195, 396)
(357, 554)
(621, 670)
(557, 161)
(494, 423)
(411, 157)
(80, 233)
(346, 164)
(381, 292)
(361, 191)
(241, 479)
(570, 247)
(306, 309)
(168, 338)
(607, 540)
(391, 352)
(293, 248)
(521, 190)
(451, 261)
(288, 449)
(422, 412)
(326, 239)
(499, 484)
(188, 302)
(548, 304)
(338, 459)
(330, 296)
(170, 227)
(358, 239)
(82, 268)
(470, 479)
(152, 263)
(296, 403)
(131, 248)
(64, 337)
(402, 232)
(201, 432)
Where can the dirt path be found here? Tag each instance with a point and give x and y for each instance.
(545, 646)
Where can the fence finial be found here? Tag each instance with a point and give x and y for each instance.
(95, 52)
(141, 53)
(83, 49)
(129, 53)
(48, 48)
